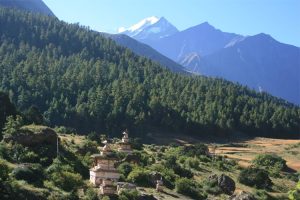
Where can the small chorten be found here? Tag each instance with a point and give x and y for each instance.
(124, 145)
(103, 170)
(159, 185)
(107, 187)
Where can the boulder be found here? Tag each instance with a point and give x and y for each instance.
(225, 183)
(242, 196)
(33, 135)
(125, 186)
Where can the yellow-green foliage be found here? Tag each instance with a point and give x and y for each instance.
(295, 194)
(34, 128)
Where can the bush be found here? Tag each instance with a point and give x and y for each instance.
(32, 173)
(66, 180)
(192, 163)
(182, 172)
(19, 154)
(93, 136)
(128, 195)
(255, 177)
(65, 130)
(168, 175)
(211, 186)
(4, 171)
(125, 168)
(204, 159)
(224, 164)
(140, 177)
(63, 176)
(189, 188)
(196, 150)
(90, 194)
(273, 163)
(171, 163)
(295, 194)
(136, 143)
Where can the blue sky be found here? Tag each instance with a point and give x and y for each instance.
(279, 18)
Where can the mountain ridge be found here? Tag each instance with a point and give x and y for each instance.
(195, 47)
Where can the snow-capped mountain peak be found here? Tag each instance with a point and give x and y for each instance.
(150, 28)
(140, 25)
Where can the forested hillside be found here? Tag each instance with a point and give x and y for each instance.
(79, 79)
(36, 6)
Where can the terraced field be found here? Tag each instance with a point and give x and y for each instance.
(245, 151)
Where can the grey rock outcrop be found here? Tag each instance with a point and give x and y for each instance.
(242, 196)
(226, 184)
(32, 135)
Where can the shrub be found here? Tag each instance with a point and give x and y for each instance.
(273, 163)
(211, 186)
(170, 161)
(196, 150)
(93, 136)
(144, 158)
(204, 159)
(125, 168)
(128, 195)
(30, 156)
(4, 171)
(90, 194)
(255, 177)
(63, 176)
(189, 188)
(136, 143)
(66, 180)
(65, 130)
(224, 164)
(182, 172)
(32, 173)
(192, 163)
(168, 175)
(295, 194)
(140, 177)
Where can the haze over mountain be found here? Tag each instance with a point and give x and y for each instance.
(258, 61)
(37, 6)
